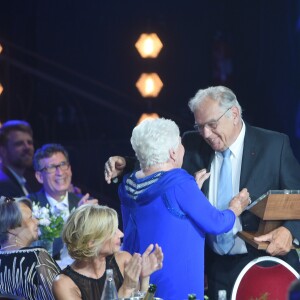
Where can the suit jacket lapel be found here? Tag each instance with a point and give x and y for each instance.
(73, 201)
(209, 158)
(42, 198)
(13, 179)
(249, 157)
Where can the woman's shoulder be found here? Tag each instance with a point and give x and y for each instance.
(64, 287)
(122, 255)
(62, 279)
(122, 258)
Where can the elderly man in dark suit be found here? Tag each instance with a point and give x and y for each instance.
(16, 151)
(53, 171)
(261, 160)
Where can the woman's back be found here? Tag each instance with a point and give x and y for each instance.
(28, 272)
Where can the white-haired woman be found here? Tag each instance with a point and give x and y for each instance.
(93, 240)
(162, 203)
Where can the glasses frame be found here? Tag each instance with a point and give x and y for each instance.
(63, 166)
(212, 125)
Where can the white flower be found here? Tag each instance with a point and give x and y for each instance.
(44, 222)
(50, 224)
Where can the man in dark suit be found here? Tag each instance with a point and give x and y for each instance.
(53, 171)
(261, 160)
(16, 151)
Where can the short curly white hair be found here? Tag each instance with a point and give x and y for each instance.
(152, 141)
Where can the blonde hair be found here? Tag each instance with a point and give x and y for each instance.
(87, 229)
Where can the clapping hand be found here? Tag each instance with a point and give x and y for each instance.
(132, 271)
(152, 260)
(86, 199)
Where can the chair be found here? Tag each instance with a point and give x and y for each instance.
(265, 277)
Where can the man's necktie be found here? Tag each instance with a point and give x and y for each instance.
(61, 209)
(225, 241)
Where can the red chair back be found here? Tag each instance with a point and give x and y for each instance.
(257, 280)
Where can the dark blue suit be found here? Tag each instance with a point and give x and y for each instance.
(268, 163)
(10, 187)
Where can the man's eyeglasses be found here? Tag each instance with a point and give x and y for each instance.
(211, 125)
(63, 166)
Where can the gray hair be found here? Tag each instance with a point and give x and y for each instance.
(11, 215)
(223, 95)
(153, 139)
(47, 151)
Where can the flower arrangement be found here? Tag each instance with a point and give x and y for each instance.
(50, 222)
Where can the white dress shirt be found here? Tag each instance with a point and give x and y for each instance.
(62, 206)
(236, 163)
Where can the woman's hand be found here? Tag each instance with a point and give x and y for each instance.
(240, 202)
(114, 167)
(152, 260)
(201, 176)
(132, 272)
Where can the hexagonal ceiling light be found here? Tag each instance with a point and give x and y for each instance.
(149, 85)
(149, 45)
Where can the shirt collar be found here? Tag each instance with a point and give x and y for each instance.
(53, 201)
(238, 143)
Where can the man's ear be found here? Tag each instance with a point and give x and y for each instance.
(3, 152)
(39, 177)
(235, 112)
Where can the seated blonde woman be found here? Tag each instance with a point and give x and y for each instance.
(93, 240)
(25, 271)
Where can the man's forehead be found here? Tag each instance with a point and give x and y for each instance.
(18, 135)
(55, 157)
(207, 109)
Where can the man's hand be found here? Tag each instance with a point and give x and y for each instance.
(74, 189)
(114, 167)
(85, 199)
(281, 241)
(201, 176)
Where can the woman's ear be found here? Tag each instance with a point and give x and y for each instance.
(172, 153)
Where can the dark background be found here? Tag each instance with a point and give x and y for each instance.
(70, 67)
